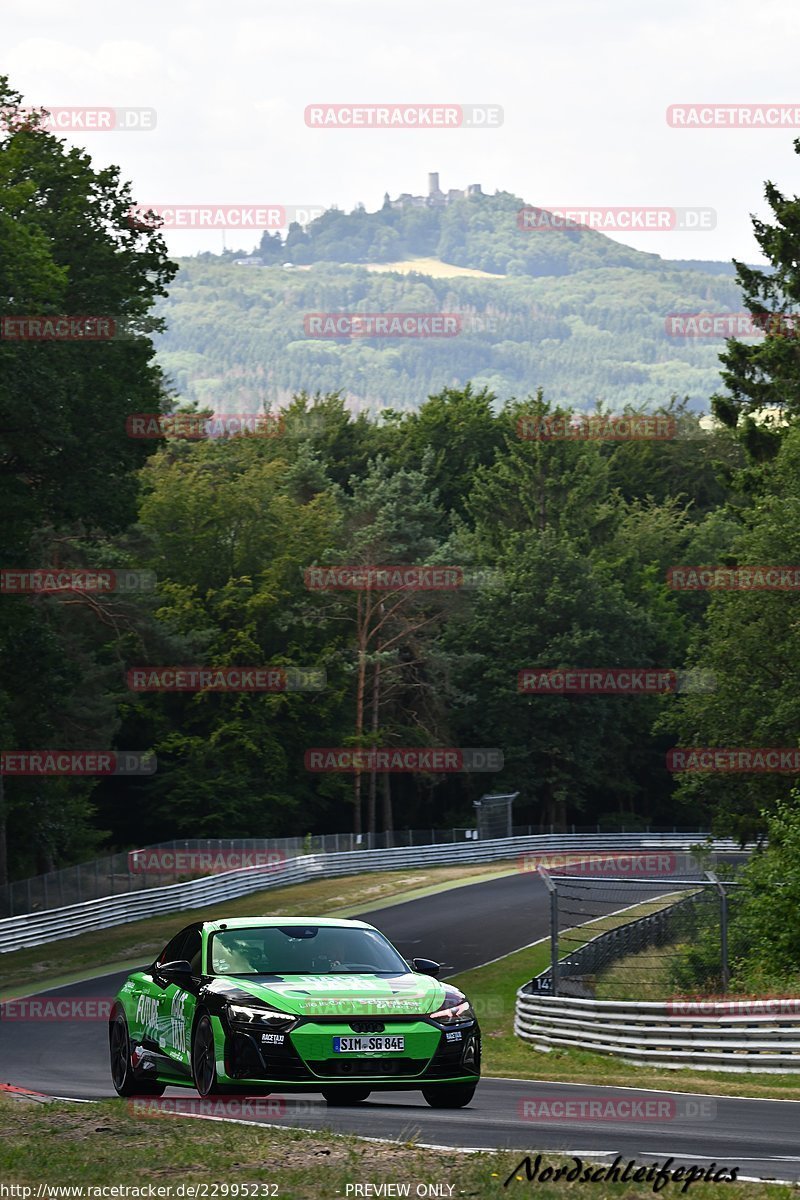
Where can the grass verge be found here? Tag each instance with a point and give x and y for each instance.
(493, 988)
(138, 942)
(642, 976)
(106, 1144)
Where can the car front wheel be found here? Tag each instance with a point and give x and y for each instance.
(450, 1095)
(204, 1058)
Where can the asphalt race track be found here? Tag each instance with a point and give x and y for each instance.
(461, 928)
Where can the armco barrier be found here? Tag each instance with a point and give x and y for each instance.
(723, 1035)
(115, 874)
(35, 929)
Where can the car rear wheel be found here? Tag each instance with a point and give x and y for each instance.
(123, 1078)
(204, 1058)
(346, 1095)
(449, 1095)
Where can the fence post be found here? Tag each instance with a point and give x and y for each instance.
(551, 887)
(723, 930)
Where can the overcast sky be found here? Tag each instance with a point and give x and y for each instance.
(584, 87)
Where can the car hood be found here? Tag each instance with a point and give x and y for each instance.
(332, 995)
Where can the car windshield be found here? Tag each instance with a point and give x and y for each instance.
(303, 950)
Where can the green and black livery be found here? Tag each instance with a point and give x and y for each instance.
(292, 1004)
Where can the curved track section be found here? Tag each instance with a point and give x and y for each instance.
(462, 928)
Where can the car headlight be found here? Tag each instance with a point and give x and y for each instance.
(259, 1018)
(456, 1011)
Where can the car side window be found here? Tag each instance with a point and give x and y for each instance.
(192, 951)
(173, 951)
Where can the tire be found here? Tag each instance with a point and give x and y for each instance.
(122, 1074)
(344, 1096)
(450, 1095)
(204, 1058)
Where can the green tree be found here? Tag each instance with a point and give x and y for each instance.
(764, 375)
(570, 756)
(68, 469)
(749, 640)
(459, 428)
(392, 518)
(232, 529)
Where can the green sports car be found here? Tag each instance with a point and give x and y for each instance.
(313, 1004)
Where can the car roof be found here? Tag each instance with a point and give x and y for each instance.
(267, 922)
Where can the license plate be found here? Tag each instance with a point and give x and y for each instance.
(363, 1045)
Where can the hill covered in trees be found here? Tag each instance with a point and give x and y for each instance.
(570, 311)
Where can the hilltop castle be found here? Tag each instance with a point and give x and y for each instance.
(435, 198)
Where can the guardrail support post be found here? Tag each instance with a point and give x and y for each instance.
(553, 890)
(723, 929)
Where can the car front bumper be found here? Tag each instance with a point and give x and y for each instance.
(304, 1056)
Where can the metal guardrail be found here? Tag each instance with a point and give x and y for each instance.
(732, 1035)
(117, 874)
(35, 929)
(112, 875)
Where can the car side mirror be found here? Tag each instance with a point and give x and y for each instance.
(426, 966)
(180, 967)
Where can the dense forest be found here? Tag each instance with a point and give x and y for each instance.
(569, 310)
(236, 337)
(570, 540)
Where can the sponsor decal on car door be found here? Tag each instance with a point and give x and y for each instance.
(146, 1015)
(176, 1012)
